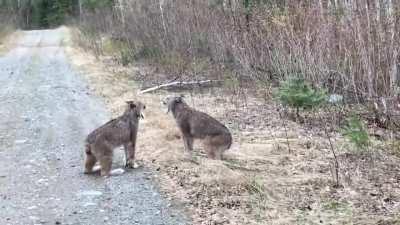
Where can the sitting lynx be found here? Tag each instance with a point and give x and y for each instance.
(194, 124)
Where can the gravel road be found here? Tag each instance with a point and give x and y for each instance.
(45, 114)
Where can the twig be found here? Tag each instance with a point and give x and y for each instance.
(286, 133)
(334, 156)
(239, 167)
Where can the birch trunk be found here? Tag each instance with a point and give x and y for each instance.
(161, 4)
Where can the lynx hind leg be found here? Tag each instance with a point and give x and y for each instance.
(105, 163)
(215, 152)
(90, 160)
(214, 147)
(211, 152)
(89, 163)
(221, 149)
(219, 152)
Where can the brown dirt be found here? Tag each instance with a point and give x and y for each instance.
(260, 182)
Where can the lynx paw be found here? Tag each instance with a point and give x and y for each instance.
(117, 172)
(131, 165)
(96, 168)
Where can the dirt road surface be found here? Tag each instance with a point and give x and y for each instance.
(45, 114)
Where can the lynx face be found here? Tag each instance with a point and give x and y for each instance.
(135, 109)
(171, 102)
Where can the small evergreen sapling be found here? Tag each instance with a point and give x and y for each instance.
(356, 133)
(298, 94)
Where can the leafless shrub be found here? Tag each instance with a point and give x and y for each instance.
(7, 20)
(350, 47)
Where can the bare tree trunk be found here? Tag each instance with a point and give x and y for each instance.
(161, 4)
(80, 9)
(394, 31)
(120, 9)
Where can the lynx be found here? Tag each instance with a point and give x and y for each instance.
(194, 124)
(121, 131)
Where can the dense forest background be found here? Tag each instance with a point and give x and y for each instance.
(37, 14)
(349, 47)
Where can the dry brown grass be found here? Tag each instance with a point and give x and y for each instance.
(260, 182)
(8, 39)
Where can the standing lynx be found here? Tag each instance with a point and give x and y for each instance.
(121, 131)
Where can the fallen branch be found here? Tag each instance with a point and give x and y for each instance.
(180, 84)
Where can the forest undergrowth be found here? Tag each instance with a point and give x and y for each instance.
(330, 164)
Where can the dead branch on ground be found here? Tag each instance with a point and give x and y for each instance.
(182, 84)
